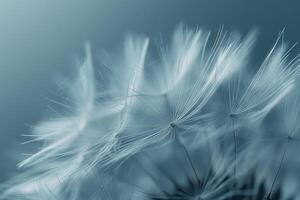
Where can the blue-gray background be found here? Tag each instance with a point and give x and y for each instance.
(39, 39)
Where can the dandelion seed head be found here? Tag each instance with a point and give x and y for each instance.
(161, 128)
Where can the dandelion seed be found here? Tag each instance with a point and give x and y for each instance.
(281, 142)
(180, 102)
(144, 128)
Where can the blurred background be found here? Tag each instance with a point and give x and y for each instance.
(41, 39)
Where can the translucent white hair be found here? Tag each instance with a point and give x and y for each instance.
(196, 91)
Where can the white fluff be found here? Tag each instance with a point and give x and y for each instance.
(173, 106)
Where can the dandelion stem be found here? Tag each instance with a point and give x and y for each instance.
(278, 171)
(235, 151)
(187, 155)
(208, 146)
(234, 133)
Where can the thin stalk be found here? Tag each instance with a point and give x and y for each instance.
(208, 146)
(234, 134)
(278, 171)
(188, 157)
(235, 151)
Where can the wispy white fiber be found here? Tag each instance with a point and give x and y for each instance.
(146, 125)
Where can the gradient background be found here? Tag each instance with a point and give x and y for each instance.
(39, 39)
